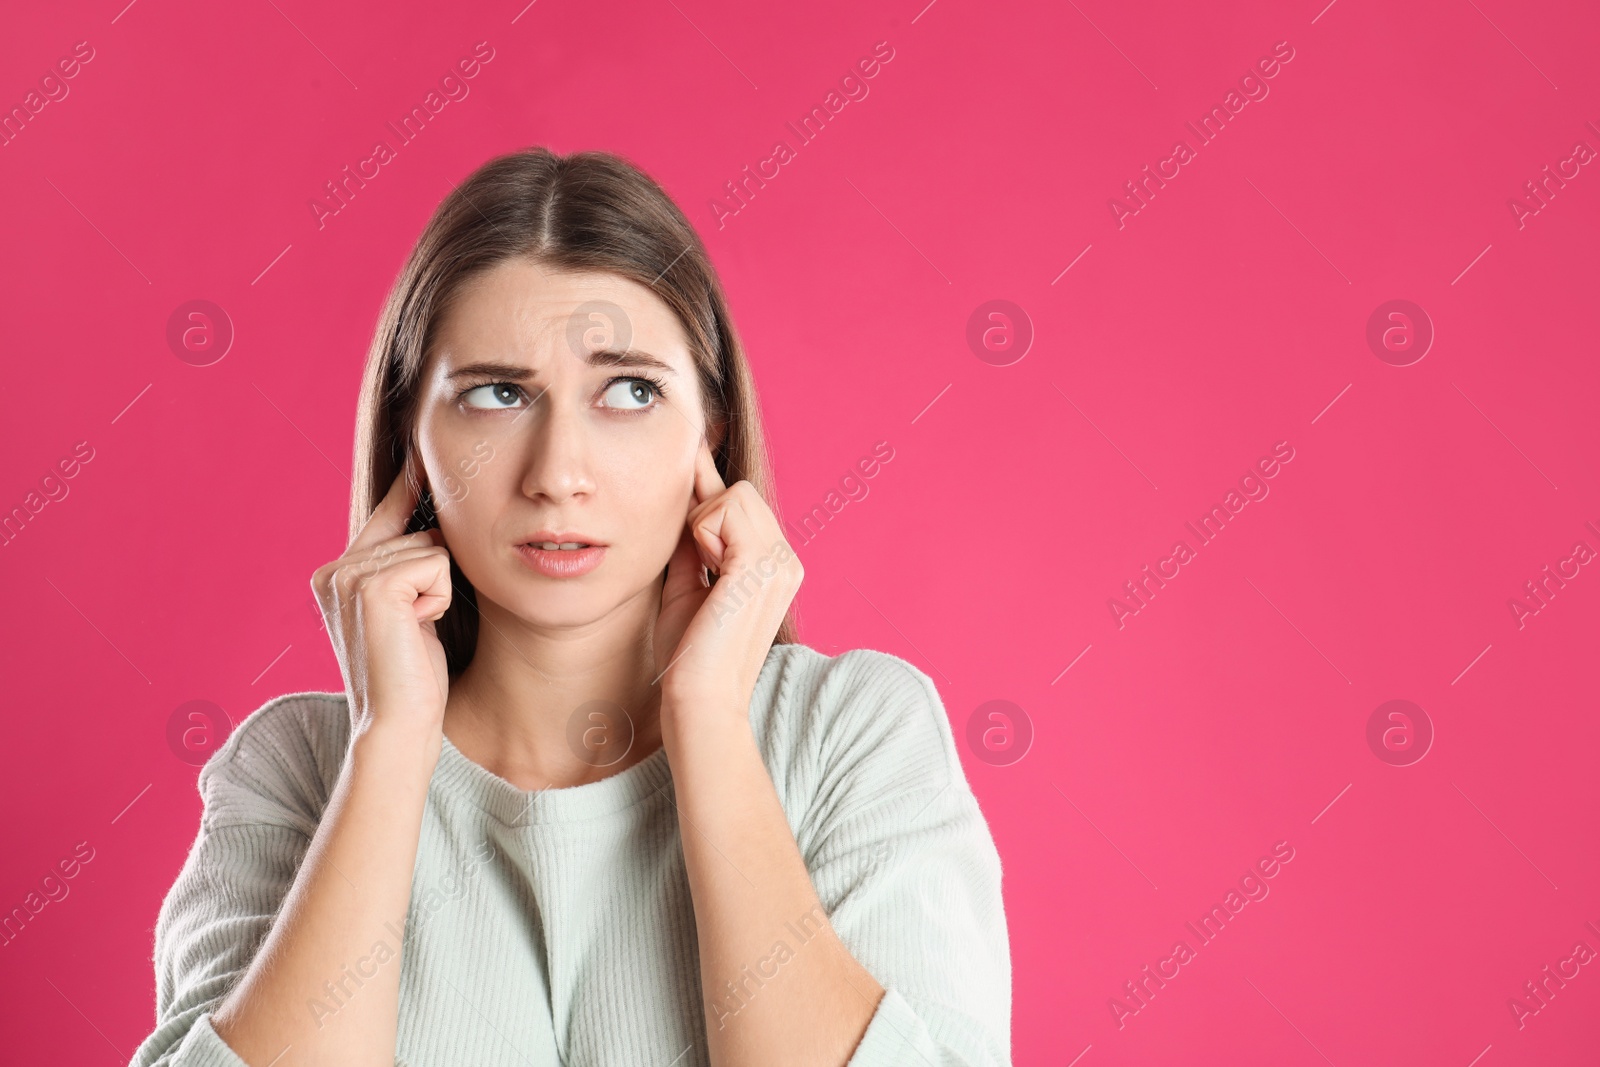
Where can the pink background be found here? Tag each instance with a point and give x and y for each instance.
(1228, 314)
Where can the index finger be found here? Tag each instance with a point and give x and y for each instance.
(707, 482)
(389, 518)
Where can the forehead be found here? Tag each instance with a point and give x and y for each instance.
(522, 306)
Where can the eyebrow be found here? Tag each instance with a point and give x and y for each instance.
(605, 357)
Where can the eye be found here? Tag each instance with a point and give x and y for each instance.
(496, 396)
(632, 394)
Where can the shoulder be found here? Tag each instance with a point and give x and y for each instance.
(863, 716)
(279, 765)
(859, 690)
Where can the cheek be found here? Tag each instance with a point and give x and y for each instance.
(648, 485)
(650, 489)
(466, 473)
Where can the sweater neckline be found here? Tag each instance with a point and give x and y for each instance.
(519, 807)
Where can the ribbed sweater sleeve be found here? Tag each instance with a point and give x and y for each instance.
(904, 864)
(260, 792)
(865, 762)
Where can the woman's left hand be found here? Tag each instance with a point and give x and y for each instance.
(711, 640)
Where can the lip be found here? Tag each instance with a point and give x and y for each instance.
(561, 563)
(562, 536)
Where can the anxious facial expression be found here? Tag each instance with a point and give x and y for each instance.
(560, 405)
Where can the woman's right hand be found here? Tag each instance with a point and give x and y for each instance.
(380, 601)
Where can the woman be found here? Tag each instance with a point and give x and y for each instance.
(581, 802)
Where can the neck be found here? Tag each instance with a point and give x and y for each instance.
(553, 708)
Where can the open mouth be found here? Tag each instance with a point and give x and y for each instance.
(561, 559)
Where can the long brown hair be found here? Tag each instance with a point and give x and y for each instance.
(587, 211)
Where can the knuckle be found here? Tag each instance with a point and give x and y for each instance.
(345, 581)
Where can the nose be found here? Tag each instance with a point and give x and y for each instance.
(556, 464)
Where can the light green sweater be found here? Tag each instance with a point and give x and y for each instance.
(556, 927)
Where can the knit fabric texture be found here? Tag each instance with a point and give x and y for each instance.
(555, 928)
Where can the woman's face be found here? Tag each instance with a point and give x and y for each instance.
(560, 407)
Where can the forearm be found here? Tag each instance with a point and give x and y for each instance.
(325, 983)
(779, 986)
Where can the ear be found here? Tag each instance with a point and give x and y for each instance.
(715, 432)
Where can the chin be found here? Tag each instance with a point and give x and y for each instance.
(559, 602)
